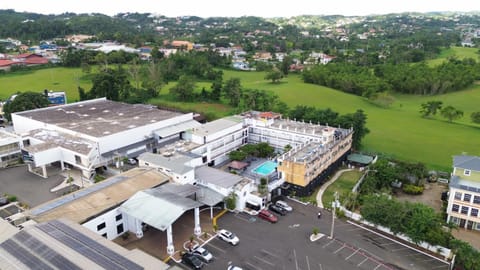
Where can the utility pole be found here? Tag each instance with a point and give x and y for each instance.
(334, 206)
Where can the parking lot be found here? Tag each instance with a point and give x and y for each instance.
(286, 245)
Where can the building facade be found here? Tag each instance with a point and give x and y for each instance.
(464, 198)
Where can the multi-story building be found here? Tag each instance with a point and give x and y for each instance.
(91, 134)
(9, 148)
(464, 198)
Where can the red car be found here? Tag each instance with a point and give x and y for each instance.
(268, 216)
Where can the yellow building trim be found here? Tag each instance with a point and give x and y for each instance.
(214, 221)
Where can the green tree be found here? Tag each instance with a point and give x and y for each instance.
(358, 121)
(23, 102)
(112, 84)
(451, 113)
(233, 91)
(275, 75)
(216, 87)
(285, 65)
(475, 116)
(153, 77)
(183, 91)
(237, 155)
(430, 108)
(264, 150)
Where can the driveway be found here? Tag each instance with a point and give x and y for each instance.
(29, 188)
(286, 245)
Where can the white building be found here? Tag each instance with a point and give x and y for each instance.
(464, 199)
(10, 145)
(91, 134)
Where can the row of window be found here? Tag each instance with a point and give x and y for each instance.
(467, 197)
(120, 228)
(464, 210)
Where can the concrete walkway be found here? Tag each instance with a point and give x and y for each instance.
(325, 186)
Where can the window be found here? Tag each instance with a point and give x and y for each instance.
(119, 228)
(467, 172)
(478, 226)
(458, 195)
(476, 199)
(101, 226)
(118, 217)
(464, 210)
(104, 235)
(467, 197)
(474, 212)
(455, 208)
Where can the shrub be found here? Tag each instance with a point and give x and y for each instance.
(315, 231)
(412, 189)
(11, 198)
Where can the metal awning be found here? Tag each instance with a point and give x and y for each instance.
(177, 128)
(158, 208)
(208, 196)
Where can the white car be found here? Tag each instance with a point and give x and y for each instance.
(132, 161)
(203, 254)
(233, 267)
(228, 237)
(284, 205)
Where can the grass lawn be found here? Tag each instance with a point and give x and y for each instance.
(460, 52)
(343, 185)
(56, 79)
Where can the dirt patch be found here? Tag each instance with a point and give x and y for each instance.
(431, 196)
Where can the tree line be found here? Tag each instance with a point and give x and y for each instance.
(420, 79)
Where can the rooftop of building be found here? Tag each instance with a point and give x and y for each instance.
(216, 177)
(62, 244)
(99, 117)
(217, 125)
(460, 183)
(174, 161)
(303, 127)
(467, 162)
(88, 202)
(51, 139)
(7, 136)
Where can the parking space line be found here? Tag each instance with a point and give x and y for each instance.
(349, 256)
(269, 253)
(398, 249)
(366, 258)
(253, 266)
(326, 245)
(339, 249)
(320, 265)
(295, 255)
(263, 260)
(400, 243)
(308, 263)
(215, 247)
(377, 267)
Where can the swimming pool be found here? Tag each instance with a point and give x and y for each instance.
(266, 168)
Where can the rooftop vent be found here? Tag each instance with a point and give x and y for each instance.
(106, 132)
(85, 115)
(120, 114)
(131, 126)
(114, 123)
(70, 112)
(136, 117)
(106, 111)
(92, 108)
(153, 121)
(81, 105)
(89, 128)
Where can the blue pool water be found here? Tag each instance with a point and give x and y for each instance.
(266, 168)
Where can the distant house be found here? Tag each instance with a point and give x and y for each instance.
(179, 44)
(262, 56)
(6, 64)
(241, 65)
(30, 59)
(464, 199)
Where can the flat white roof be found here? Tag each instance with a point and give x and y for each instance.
(217, 125)
(99, 117)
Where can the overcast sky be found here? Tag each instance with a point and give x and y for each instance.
(229, 8)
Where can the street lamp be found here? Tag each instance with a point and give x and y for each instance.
(335, 204)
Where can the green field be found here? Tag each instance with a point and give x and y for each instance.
(460, 52)
(398, 131)
(56, 79)
(343, 185)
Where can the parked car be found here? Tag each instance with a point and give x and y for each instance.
(132, 161)
(265, 214)
(234, 267)
(277, 209)
(203, 254)
(284, 205)
(228, 237)
(193, 261)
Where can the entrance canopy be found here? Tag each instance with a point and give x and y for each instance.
(157, 207)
